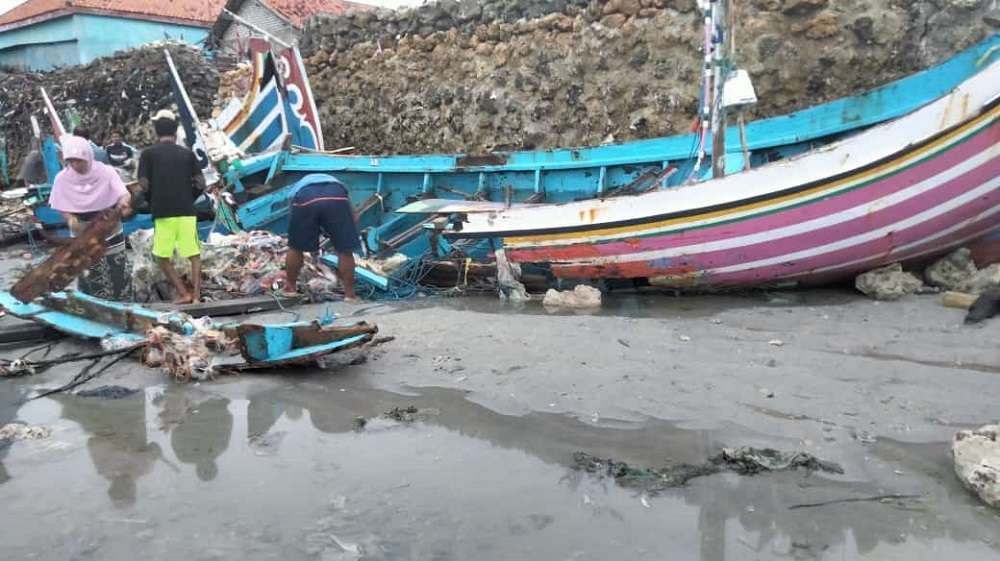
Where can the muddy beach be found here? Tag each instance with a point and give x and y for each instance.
(276, 466)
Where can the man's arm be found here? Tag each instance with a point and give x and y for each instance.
(142, 177)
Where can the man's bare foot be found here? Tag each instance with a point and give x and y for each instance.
(290, 294)
(183, 299)
(351, 299)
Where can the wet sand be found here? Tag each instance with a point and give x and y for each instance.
(268, 466)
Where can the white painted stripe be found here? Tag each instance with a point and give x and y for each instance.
(903, 248)
(810, 225)
(275, 113)
(903, 162)
(914, 220)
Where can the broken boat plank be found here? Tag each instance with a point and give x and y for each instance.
(68, 261)
(234, 307)
(360, 273)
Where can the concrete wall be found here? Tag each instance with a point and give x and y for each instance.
(263, 17)
(81, 38)
(103, 35)
(41, 46)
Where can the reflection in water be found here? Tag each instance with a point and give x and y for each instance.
(118, 443)
(759, 504)
(466, 483)
(203, 436)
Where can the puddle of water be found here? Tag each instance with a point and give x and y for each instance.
(257, 470)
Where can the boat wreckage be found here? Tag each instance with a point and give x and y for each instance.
(900, 173)
(185, 347)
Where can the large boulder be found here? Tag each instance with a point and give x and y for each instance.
(977, 462)
(952, 272)
(888, 283)
(984, 279)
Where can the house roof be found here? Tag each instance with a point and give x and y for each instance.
(298, 11)
(295, 11)
(193, 12)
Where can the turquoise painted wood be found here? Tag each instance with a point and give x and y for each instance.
(379, 185)
(263, 345)
(80, 38)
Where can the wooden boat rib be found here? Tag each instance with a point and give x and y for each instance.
(913, 187)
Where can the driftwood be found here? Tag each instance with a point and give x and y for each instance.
(68, 261)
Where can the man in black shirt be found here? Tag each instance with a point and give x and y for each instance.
(170, 176)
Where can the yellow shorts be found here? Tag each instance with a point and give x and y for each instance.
(176, 232)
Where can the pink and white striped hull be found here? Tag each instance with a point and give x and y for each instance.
(948, 199)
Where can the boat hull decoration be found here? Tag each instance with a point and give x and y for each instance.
(909, 189)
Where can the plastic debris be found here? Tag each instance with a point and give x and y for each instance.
(19, 431)
(187, 357)
(582, 296)
(507, 279)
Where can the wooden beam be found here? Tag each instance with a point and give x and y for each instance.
(234, 307)
(69, 261)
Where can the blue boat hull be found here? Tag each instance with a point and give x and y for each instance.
(379, 185)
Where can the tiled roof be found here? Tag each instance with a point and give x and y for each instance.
(198, 12)
(297, 11)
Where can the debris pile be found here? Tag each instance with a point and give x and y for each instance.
(469, 76)
(19, 431)
(741, 461)
(244, 264)
(119, 91)
(977, 462)
(187, 357)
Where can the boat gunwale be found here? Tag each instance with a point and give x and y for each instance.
(584, 229)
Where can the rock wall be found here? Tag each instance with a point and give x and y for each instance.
(120, 91)
(474, 76)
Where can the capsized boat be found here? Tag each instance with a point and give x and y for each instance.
(908, 189)
(382, 185)
(259, 345)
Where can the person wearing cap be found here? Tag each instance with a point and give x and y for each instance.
(171, 179)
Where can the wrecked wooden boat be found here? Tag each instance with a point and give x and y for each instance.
(908, 189)
(230, 346)
(381, 185)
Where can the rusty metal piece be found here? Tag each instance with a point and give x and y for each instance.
(68, 261)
